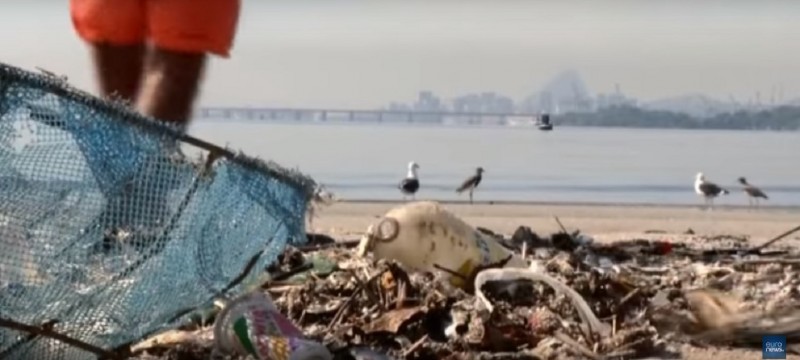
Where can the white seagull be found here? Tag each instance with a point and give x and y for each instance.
(410, 184)
(707, 189)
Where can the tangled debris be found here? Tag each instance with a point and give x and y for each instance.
(648, 296)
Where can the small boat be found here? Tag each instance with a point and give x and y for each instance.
(543, 122)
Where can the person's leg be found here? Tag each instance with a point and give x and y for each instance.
(171, 83)
(115, 32)
(118, 69)
(183, 32)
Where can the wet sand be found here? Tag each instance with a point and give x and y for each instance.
(604, 222)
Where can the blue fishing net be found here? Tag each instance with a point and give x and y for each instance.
(108, 233)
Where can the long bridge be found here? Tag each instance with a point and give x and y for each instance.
(365, 116)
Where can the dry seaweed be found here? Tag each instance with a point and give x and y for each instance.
(651, 296)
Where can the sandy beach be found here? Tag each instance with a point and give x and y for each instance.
(346, 220)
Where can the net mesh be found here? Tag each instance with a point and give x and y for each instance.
(108, 233)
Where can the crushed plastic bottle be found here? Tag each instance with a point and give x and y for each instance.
(423, 234)
(581, 306)
(252, 325)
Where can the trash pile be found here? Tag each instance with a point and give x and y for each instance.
(422, 284)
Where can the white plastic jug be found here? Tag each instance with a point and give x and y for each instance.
(421, 234)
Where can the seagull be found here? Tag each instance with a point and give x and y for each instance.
(471, 183)
(753, 193)
(410, 184)
(708, 189)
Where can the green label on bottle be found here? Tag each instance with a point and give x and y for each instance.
(243, 333)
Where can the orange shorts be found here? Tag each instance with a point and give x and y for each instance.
(178, 25)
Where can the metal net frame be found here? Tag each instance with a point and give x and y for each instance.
(108, 233)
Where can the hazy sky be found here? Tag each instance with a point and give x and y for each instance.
(366, 53)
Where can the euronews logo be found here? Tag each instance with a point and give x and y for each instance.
(773, 347)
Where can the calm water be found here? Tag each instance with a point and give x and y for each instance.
(568, 164)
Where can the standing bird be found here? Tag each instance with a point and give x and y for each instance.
(708, 190)
(471, 183)
(410, 184)
(753, 193)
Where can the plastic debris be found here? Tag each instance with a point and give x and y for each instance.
(425, 236)
(515, 274)
(647, 305)
(252, 325)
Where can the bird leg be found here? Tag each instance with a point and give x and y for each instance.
(470, 196)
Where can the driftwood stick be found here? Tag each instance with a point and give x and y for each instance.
(779, 237)
(574, 345)
(44, 331)
(562, 226)
(418, 344)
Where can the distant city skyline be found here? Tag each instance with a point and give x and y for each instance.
(366, 54)
(567, 92)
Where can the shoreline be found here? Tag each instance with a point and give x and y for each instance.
(349, 219)
(687, 206)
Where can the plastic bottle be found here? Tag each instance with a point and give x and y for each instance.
(251, 324)
(423, 234)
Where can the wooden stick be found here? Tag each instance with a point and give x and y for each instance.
(44, 331)
(781, 236)
(570, 342)
(415, 346)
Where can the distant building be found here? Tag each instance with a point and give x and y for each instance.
(396, 106)
(615, 99)
(427, 101)
(487, 102)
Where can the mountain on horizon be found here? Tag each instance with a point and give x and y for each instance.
(567, 84)
(567, 91)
